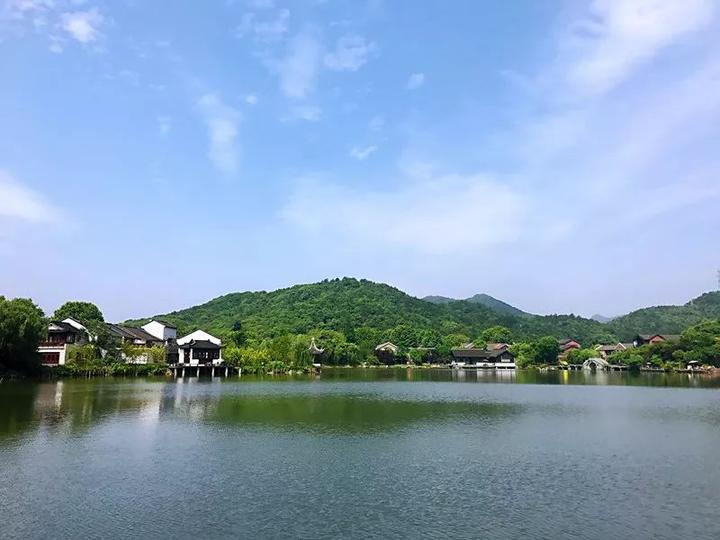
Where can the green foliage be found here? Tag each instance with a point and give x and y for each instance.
(578, 356)
(86, 313)
(22, 327)
(667, 319)
(496, 334)
(546, 350)
(383, 312)
(700, 343)
(151, 355)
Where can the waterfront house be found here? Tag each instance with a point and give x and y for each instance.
(198, 348)
(483, 358)
(650, 339)
(606, 350)
(61, 335)
(387, 352)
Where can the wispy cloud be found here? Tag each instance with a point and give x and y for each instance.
(18, 202)
(298, 69)
(350, 54)
(362, 152)
(309, 113)
(400, 218)
(222, 123)
(415, 81)
(603, 48)
(251, 99)
(164, 124)
(264, 28)
(376, 123)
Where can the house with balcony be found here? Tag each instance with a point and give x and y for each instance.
(199, 348)
(60, 336)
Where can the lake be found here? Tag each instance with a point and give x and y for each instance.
(363, 454)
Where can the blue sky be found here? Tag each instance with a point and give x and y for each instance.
(561, 156)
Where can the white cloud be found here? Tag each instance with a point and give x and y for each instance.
(268, 29)
(83, 26)
(437, 216)
(619, 35)
(251, 99)
(164, 124)
(309, 113)
(298, 69)
(416, 80)
(18, 202)
(350, 54)
(376, 123)
(222, 125)
(362, 153)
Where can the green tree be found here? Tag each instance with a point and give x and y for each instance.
(22, 327)
(86, 313)
(545, 351)
(237, 334)
(496, 334)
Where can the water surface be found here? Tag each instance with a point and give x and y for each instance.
(363, 454)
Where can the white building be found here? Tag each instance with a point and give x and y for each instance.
(61, 335)
(161, 330)
(199, 347)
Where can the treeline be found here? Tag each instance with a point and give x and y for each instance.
(347, 305)
(23, 326)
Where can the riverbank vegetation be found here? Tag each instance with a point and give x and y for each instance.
(347, 319)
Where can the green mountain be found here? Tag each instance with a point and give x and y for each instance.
(348, 305)
(483, 299)
(667, 319)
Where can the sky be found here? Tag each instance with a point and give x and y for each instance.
(563, 156)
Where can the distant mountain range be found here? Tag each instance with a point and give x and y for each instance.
(485, 300)
(361, 307)
(602, 318)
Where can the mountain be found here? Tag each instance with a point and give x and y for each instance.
(483, 299)
(348, 305)
(496, 305)
(667, 319)
(601, 318)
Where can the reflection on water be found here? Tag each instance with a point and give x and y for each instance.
(72, 406)
(382, 453)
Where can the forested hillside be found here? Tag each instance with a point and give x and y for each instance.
(482, 298)
(667, 319)
(347, 305)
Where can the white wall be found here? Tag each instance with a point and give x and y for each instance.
(160, 331)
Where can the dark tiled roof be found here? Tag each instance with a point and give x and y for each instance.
(62, 327)
(480, 353)
(165, 323)
(200, 344)
(130, 332)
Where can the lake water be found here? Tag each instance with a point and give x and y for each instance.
(363, 454)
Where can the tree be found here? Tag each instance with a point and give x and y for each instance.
(238, 334)
(496, 334)
(86, 313)
(546, 350)
(22, 327)
(578, 356)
